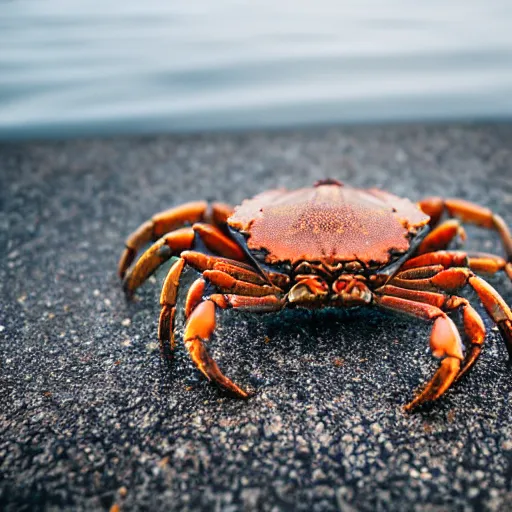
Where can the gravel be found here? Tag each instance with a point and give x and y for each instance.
(92, 418)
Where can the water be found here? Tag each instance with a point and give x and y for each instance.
(90, 66)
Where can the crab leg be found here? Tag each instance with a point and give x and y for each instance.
(226, 283)
(199, 328)
(264, 304)
(194, 295)
(168, 303)
(445, 343)
(480, 262)
(167, 221)
(173, 244)
(168, 246)
(471, 213)
(201, 324)
(236, 269)
(160, 224)
(455, 278)
(473, 324)
(441, 236)
(477, 261)
(488, 263)
(200, 312)
(218, 242)
(473, 327)
(495, 307)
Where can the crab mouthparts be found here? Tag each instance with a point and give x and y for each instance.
(308, 289)
(347, 291)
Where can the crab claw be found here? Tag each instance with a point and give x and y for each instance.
(200, 327)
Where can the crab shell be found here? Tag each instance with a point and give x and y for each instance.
(329, 223)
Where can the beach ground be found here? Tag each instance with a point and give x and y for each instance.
(92, 417)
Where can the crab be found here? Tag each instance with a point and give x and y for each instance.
(330, 245)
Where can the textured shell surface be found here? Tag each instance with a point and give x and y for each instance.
(329, 223)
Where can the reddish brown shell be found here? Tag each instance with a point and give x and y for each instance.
(329, 223)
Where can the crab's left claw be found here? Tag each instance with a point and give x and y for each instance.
(445, 343)
(200, 327)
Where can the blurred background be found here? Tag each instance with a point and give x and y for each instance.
(75, 67)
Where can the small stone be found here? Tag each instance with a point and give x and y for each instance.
(507, 445)
(319, 428)
(376, 428)
(473, 492)
(126, 322)
(318, 475)
(151, 346)
(273, 428)
(251, 498)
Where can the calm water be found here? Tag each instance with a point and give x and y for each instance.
(90, 66)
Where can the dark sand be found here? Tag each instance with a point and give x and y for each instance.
(91, 416)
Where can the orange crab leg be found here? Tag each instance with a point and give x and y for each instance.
(218, 242)
(489, 263)
(264, 304)
(199, 328)
(220, 213)
(194, 295)
(445, 258)
(441, 236)
(477, 261)
(495, 307)
(178, 241)
(168, 304)
(226, 283)
(158, 226)
(455, 278)
(237, 269)
(445, 343)
(474, 329)
(473, 325)
(450, 279)
(434, 299)
(470, 213)
(240, 273)
(169, 245)
(420, 272)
